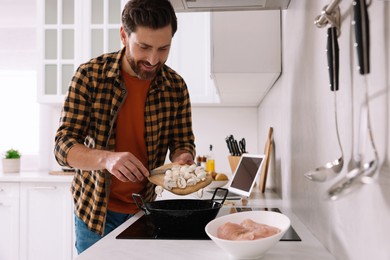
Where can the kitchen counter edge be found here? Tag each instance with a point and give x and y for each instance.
(34, 176)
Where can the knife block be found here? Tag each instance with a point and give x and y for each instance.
(233, 162)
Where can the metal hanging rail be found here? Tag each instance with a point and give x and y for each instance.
(328, 15)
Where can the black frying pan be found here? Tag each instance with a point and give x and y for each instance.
(181, 214)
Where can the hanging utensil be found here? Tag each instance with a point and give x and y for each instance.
(362, 173)
(352, 180)
(353, 162)
(370, 173)
(331, 169)
(362, 37)
(362, 33)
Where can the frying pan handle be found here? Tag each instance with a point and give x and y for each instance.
(332, 51)
(224, 196)
(362, 35)
(137, 199)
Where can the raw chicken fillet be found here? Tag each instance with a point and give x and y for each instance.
(247, 230)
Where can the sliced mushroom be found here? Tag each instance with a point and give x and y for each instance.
(192, 167)
(184, 169)
(169, 173)
(187, 175)
(181, 183)
(199, 169)
(191, 182)
(170, 184)
(200, 193)
(159, 190)
(201, 175)
(175, 175)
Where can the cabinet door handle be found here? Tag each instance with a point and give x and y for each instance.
(45, 188)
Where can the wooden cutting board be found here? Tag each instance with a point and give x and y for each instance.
(268, 152)
(70, 173)
(157, 177)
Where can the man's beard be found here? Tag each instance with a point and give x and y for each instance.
(137, 68)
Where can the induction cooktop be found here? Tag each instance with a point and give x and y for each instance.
(144, 229)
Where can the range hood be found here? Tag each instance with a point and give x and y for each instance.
(227, 5)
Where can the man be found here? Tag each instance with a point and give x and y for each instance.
(122, 113)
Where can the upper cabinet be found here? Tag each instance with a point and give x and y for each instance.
(70, 33)
(226, 58)
(58, 33)
(245, 55)
(190, 56)
(228, 5)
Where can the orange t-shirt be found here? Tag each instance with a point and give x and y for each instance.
(130, 129)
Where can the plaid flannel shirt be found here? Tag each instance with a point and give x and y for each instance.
(88, 117)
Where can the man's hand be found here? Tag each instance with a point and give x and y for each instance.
(183, 157)
(123, 165)
(126, 167)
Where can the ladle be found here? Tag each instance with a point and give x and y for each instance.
(331, 169)
(384, 170)
(362, 35)
(370, 173)
(353, 162)
(355, 177)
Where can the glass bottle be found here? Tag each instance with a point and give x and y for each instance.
(210, 164)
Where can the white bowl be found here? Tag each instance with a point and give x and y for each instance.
(249, 249)
(216, 184)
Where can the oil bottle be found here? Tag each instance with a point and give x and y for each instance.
(210, 164)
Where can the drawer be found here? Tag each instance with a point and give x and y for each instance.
(8, 190)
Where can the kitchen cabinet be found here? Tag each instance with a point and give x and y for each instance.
(70, 34)
(245, 55)
(190, 56)
(46, 221)
(227, 5)
(9, 220)
(228, 58)
(36, 217)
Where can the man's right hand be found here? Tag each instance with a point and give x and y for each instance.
(123, 165)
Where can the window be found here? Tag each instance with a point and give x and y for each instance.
(19, 113)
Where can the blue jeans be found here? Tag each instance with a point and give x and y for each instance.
(86, 238)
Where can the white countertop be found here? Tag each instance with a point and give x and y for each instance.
(34, 176)
(117, 249)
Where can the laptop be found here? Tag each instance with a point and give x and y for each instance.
(244, 177)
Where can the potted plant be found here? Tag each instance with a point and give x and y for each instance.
(11, 161)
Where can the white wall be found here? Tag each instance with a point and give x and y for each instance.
(300, 107)
(210, 125)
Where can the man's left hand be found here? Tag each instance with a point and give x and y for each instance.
(183, 158)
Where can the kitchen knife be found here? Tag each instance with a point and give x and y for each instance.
(236, 148)
(229, 145)
(332, 49)
(362, 35)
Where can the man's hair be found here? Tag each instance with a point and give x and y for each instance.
(154, 14)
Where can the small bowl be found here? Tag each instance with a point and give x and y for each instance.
(249, 249)
(216, 184)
